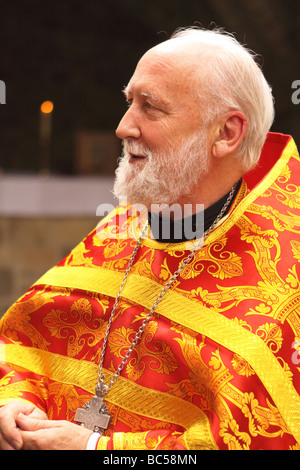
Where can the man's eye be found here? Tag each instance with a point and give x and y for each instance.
(129, 103)
(150, 106)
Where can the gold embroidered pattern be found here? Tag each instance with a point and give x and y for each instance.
(125, 394)
(198, 318)
(159, 358)
(220, 363)
(227, 265)
(74, 326)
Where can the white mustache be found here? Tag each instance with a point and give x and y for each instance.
(132, 148)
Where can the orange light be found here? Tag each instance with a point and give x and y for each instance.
(47, 107)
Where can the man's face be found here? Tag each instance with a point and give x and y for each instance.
(164, 141)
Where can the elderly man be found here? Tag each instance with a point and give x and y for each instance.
(142, 340)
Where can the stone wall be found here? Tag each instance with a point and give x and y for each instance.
(41, 220)
(30, 246)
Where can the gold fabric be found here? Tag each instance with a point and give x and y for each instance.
(217, 365)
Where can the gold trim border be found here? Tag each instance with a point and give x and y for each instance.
(190, 314)
(227, 222)
(136, 398)
(230, 219)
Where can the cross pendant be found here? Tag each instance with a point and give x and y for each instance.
(94, 415)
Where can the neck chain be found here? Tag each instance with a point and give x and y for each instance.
(94, 415)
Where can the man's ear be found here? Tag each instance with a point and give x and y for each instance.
(229, 134)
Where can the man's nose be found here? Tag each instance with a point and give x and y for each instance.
(128, 126)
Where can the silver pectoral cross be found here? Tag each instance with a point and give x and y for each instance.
(94, 414)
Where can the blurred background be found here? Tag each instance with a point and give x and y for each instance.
(64, 64)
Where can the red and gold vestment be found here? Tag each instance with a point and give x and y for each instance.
(217, 366)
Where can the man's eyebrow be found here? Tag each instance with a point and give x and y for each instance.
(126, 91)
(151, 96)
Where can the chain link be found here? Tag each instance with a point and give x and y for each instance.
(183, 264)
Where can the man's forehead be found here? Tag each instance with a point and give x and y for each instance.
(155, 77)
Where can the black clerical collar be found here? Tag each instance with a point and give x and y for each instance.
(181, 230)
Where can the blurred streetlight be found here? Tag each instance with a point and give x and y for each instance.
(47, 107)
(46, 110)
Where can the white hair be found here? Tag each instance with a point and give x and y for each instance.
(230, 79)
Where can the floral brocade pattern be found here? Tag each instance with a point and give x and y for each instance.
(248, 272)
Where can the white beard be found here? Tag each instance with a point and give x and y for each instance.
(161, 178)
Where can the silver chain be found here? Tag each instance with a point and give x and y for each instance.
(185, 262)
